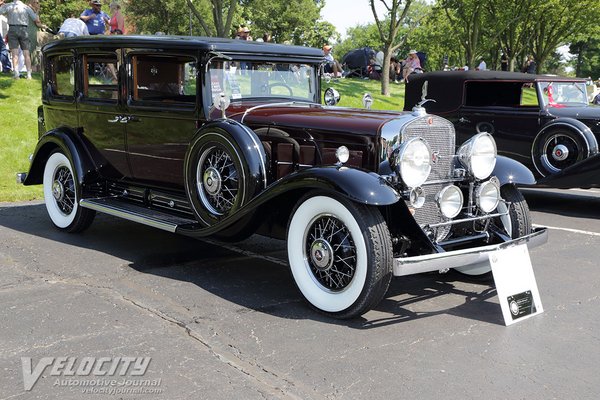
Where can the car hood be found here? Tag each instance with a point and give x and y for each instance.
(581, 112)
(310, 117)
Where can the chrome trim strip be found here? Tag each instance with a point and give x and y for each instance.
(128, 215)
(462, 258)
(459, 221)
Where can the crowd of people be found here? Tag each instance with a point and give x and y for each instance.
(20, 23)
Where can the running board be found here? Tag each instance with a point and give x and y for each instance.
(136, 213)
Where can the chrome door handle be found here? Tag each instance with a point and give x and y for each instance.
(118, 118)
(463, 120)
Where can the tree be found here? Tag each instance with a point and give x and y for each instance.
(297, 22)
(388, 33)
(359, 36)
(222, 16)
(556, 21)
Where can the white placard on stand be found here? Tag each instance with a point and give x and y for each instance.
(515, 283)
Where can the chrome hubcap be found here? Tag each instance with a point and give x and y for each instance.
(560, 152)
(58, 190)
(321, 254)
(212, 181)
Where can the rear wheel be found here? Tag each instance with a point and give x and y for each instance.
(340, 255)
(61, 195)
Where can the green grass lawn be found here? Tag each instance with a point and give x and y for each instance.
(19, 100)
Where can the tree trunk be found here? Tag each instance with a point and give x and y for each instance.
(385, 73)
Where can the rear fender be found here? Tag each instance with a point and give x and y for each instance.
(67, 141)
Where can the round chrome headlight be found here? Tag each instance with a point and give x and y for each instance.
(478, 155)
(414, 162)
(487, 195)
(450, 201)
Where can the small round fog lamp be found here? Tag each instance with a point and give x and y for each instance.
(487, 196)
(450, 200)
(342, 154)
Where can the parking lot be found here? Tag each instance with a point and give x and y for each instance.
(223, 321)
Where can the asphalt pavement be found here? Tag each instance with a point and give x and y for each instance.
(225, 321)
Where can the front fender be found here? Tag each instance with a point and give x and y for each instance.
(355, 184)
(71, 145)
(508, 170)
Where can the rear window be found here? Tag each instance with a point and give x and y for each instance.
(500, 94)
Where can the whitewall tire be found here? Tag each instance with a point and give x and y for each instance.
(340, 255)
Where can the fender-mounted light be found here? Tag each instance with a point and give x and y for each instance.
(342, 154)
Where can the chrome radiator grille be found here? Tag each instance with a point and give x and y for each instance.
(439, 134)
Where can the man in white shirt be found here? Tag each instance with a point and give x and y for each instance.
(482, 66)
(18, 15)
(73, 27)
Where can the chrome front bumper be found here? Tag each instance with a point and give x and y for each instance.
(463, 258)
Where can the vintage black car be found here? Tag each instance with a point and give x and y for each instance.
(225, 138)
(542, 121)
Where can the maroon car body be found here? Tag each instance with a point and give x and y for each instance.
(224, 138)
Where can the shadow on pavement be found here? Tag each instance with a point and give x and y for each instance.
(567, 203)
(254, 284)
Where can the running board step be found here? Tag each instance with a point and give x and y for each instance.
(136, 213)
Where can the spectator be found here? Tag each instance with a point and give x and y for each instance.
(19, 15)
(4, 57)
(530, 65)
(504, 62)
(94, 18)
(411, 64)
(73, 27)
(267, 38)
(332, 66)
(243, 33)
(395, 69)
(482, 66)
(117, 22)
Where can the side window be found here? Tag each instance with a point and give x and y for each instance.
(100, 80)
(60, 76)
(163, 79)
(490, 93)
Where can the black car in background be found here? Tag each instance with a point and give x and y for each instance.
(543, 121)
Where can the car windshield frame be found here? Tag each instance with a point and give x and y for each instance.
(562, 93)
(262, 80)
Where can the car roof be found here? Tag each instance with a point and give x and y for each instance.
(224, 45)
(447, 87)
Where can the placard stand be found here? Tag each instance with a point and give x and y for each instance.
(515, 283)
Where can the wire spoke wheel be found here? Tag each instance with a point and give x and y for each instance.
(331, 253)
(340, 254)
(217, 180)
(61, 195)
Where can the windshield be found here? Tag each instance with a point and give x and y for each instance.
(259, 80)
(563, 93)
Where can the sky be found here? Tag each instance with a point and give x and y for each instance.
(344, 14)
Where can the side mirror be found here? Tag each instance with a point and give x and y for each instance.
(331, 97)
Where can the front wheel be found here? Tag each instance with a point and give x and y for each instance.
(340, 255)
(61, 195)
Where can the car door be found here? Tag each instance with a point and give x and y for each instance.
(161, 114)
(506, 110)
(100, 110)
(59, 91)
